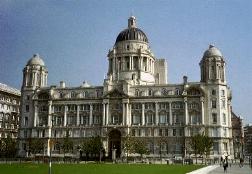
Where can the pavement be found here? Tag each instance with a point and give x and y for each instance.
(234, 169)
(217, 169)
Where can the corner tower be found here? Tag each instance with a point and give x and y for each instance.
(212, 66)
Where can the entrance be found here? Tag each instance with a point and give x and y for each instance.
(115, 143)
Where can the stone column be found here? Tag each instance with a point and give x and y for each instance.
(170, 113)
(202, 111)
(130, 63)
(186, 111)
(127, 114)
(49, 113)
(156, 113)
(130, 118)
(91, 114)
(78, 115)
(104, 114)
(143, 119)
(65, 115)
(107, 113)
(123, 114)
(35, 113)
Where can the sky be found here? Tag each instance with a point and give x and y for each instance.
(74, 36)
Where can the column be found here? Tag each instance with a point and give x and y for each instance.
(49, 123)
(147, 64)
(156, 113)
(78, 115)
(127, 114)
(170, 113)
(123, 114)
(65, 115)
(35, 113)
(130, 63)
(107, 113)
(104, 114)
(91, 114)
(186, 111)
(129, 118)
(140, 63)
(143, 119)
(202, 111)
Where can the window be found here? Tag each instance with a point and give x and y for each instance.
(166, 132)
(177, 91)
(214, 104)
(25, 133)
(174, 132)
(133, 132)
(163, 118)
(216, 147)
(27, 97)
(223, 92)
(128, 47)
(223, 104)
(224, 119)
(137, 92)
(213, 92)
(73, 94)
(160, 132)
(149, 118)
(27, 108)
(26, 121)
(136, 119)
(214, 118)
(150, 92)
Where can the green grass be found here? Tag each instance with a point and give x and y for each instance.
(96, 169)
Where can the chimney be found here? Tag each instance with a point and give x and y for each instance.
(62, 84)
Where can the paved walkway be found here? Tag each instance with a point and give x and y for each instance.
(234, 169)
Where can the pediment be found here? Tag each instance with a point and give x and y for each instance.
(116, 94)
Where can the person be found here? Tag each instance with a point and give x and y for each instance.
(241, 162)
(221, 160)
(225, 165)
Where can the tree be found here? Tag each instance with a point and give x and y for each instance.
(201, 144)
(92, 145)
(8, 147)
(128, 145)
(36, 145)
(67, 144)
(207, 145)
(140, 147)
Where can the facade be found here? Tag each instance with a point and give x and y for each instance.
(9, 111)
(134, 99)
(238, 135)
(248, 140)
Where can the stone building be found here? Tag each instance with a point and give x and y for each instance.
(248, 140)
(238, 135)
(134, 99)
(9, 111)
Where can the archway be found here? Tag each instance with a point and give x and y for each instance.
(115, 142)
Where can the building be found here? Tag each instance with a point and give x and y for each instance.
(134, 99)
(9, 111)
(238, 135)
(248, 140)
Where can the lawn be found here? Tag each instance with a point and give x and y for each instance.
(96, 168)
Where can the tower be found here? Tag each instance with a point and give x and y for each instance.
(212, 66)
(34, 77)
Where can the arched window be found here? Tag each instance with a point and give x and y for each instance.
(150, 92)
(137, 92)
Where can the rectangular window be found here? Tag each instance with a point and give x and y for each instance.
(224, 119)
(27, 97)
(214, 104)
(27, 108)
(216, 147)
(160, 132)
(223, 104)
(26, 121)
(223, 92)
(214, 118)
(174, 132)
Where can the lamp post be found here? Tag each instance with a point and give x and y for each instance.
(50, 148)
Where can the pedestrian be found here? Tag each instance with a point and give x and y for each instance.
(241, 162)
(225, 165)
(221, 160)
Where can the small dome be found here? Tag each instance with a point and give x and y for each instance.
(212, 51)
(36, 60)
(132, 32)
(85, 84)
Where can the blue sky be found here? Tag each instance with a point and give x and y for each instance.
(74, 37)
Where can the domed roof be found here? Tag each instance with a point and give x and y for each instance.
(212, 51)
(132, 32)
(36, 60)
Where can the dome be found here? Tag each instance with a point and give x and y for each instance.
(212, 51)
(36, 60)
(132, 32)
(85, 84)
